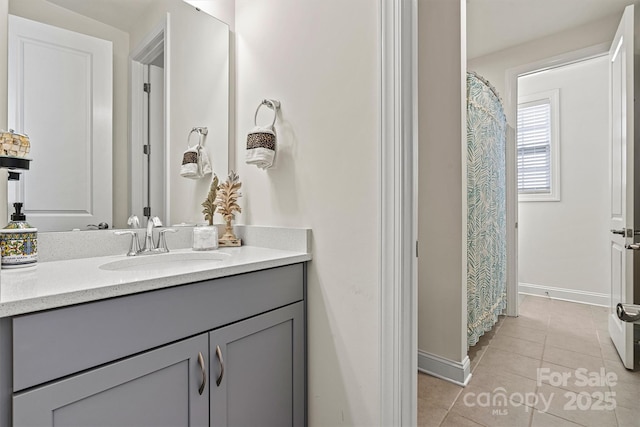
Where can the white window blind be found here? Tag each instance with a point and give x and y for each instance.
(534, 147)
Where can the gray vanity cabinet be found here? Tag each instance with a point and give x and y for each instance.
(157, 388)
(157, 358)
(257, 371)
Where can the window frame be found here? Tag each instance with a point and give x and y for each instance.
(553, 97)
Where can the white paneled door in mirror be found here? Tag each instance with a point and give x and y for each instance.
(60, 94)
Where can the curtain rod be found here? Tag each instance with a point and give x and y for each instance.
(486, 82)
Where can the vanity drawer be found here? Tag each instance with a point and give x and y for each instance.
(52, 344)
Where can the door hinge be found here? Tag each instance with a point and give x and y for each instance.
(146, 211)
(146, 149)
(416, 249)
(146, 87)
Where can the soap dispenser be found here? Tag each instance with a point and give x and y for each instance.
(18, 241)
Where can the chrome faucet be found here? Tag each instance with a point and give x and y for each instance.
(149, 246)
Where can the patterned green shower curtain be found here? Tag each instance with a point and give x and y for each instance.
(486, 200)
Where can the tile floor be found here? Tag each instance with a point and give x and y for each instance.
(554, 365)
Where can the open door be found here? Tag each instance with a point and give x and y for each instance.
(622, 156)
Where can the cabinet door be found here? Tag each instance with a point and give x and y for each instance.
(157, 388)
(258, 371)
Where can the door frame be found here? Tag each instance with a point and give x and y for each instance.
(154, 43)
(397, 153)
(511, 109)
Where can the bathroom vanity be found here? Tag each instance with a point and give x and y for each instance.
(196, 345)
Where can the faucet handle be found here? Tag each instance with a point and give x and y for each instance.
(133, 221)
(162, 241)
(134, 246)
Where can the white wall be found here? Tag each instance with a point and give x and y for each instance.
(48, 13)
(442, 204)
(493, 67)
(225, 10)
(320, 59)
(565, 244)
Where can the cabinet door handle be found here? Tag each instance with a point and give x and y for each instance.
(203, 369)
(221, 362)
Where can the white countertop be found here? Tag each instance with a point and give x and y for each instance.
(60, 283)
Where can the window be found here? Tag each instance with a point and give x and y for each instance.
(537, 142)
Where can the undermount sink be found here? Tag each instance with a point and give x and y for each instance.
(168, 261)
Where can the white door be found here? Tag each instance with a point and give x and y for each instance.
(60, 94)
(621, 58)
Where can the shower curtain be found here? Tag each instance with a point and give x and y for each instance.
(486, 201)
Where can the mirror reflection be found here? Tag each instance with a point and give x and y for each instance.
(108, 92)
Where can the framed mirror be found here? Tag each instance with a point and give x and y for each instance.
(182, 53)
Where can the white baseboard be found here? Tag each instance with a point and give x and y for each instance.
(456, 372)
(584, 297)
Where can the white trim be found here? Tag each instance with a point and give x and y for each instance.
(464, 196)
(167, 117)
(398, 216)
(511, 177)
(512, 74)
(511, 105)
(584, 297)
(553, 96)
(449, 370)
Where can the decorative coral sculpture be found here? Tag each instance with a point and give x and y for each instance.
(209, 204)
(227, 203)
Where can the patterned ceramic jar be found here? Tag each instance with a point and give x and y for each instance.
(14, 144)
(19, 247)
